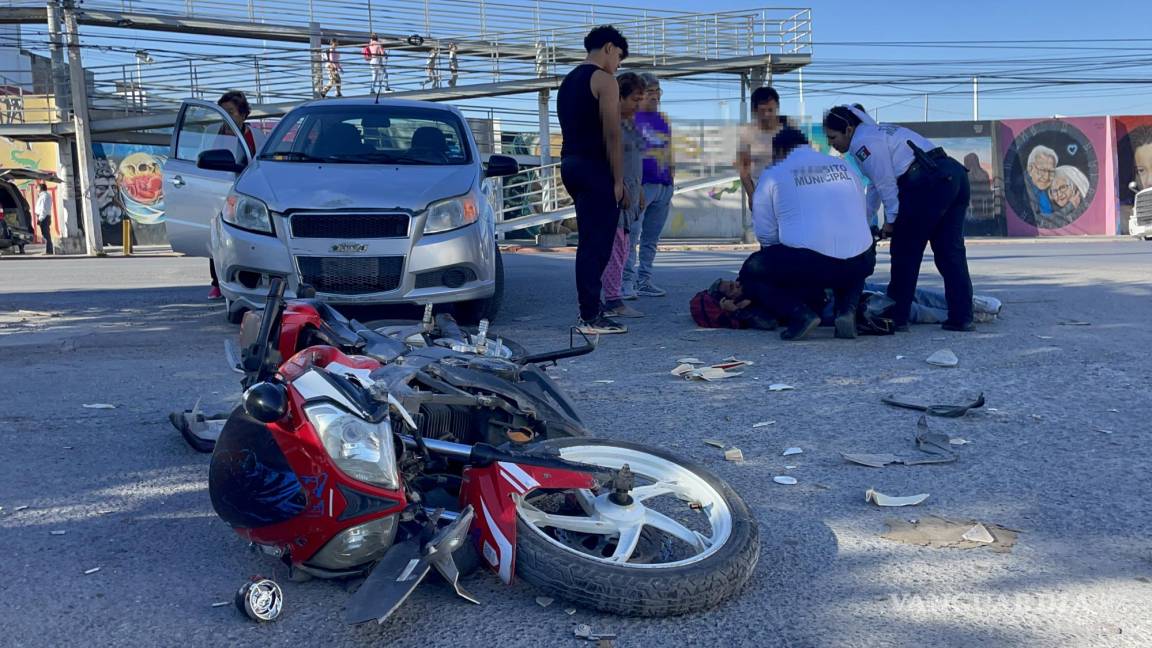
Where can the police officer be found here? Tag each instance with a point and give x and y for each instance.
(808, 214)
(925, 195)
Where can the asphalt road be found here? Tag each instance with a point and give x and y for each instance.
(1059, 454)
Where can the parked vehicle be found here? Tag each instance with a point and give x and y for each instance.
(370, 202)
(449, 455)
(16, 218)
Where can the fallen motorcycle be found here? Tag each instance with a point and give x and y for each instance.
(406, 458)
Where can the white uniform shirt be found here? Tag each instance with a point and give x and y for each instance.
(814, 201)
(43, 206)
(883, 154)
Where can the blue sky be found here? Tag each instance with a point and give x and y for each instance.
(840, 27)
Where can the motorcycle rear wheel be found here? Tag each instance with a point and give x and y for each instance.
(636, 560)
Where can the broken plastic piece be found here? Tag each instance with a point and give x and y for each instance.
(880, 499)
(20, 508)
(779, 387)
(734, 454)
(604, 382)
(872, 460)
(763, 424)
(543, 601)
(957, 441)
(946, 411)
(943, 358)
(715, 443)
(978, 533)
(221, 603)
(89, 572)
(98, 406)
(57, 533)
(784, 479)
(570, 611)
(1075, 323)
(691, 361)
(791, 451)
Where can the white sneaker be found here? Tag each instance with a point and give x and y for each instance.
(600, 325)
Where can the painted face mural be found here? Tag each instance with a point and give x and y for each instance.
(1051, 172)
(142, 187)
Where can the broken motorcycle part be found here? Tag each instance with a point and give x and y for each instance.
(946, 411)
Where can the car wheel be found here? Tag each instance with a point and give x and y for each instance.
(234, 315)
(471, 312)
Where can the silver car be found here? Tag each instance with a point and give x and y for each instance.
(367, 202)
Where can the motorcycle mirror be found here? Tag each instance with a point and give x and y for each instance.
(266, 402)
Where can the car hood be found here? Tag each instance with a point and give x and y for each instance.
(297, 185)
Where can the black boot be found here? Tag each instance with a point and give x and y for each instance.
(802, 322)
(847, 301)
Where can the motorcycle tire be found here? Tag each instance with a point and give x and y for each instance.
(643, 590)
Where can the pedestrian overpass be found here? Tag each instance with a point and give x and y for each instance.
(273, 50)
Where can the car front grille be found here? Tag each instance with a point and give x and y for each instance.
(1143, 209)
(349, 225)
(352, 275)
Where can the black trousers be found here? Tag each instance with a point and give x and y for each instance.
(589, 182)
(783, 280)
(46, 234)
(932, 209)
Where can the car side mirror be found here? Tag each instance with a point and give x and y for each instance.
(1133, 186)
(218, 160)
(501, 165)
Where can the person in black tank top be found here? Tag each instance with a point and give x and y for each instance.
(588, 107)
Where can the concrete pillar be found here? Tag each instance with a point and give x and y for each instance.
(548, 193)
(315, 46)
(93, 239)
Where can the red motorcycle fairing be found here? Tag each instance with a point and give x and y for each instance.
(335, 502)
(492, 491)
(297, 316)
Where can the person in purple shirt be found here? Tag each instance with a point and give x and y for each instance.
(659, 169)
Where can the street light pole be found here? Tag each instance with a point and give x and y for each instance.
(93, 238)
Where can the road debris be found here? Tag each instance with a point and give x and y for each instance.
(900, 357)
(957, 441)
(543, 601)
(604, 382)
(784, 479)
(943, 358)
(691, 361)
(89, 572)
(23, 507)
(945, 411)
(584, 631)
(779, 387)
(789, 467)
(100, 406)
(734, 454)
(1104, 431)
(935, 445)
(1045, 337)
(1075, 323)
(221, 603)
(570, 611)
(57, 533)
(763, 424)
(938, 532)
(978, 533)
(791, 451)
(715, 443)
(880, 499)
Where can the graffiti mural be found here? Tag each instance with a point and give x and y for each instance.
(1052, 173)
(971, 143)
(1133, 136)
(129, 184)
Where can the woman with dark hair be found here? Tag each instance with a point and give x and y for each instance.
(235, 103)
(925, 195)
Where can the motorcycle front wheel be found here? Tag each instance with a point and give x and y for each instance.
(684, 543)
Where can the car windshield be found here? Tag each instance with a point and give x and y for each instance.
(369, 134)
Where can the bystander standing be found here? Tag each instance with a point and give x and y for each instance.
(44, 216)
(632, 207)
(659, 170)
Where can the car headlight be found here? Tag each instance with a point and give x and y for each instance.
(451, 214)
(363, 450)
(247, 213)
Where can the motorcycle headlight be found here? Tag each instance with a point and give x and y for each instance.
(247, 213)
(451, 214)
(363, 450)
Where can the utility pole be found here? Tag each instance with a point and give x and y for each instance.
(975, 98)
(93, 239)
(925, 106)
(70, 220)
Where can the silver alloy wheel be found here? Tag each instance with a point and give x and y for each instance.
(623, 525)
(262, 599)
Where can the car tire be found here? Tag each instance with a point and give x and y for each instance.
(234, 315)
(469, 313)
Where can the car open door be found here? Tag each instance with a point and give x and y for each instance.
(194, 196)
